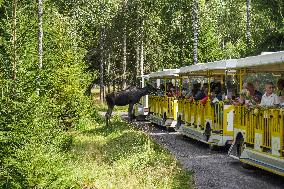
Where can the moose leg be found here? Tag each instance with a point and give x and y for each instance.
(108, 114)
(130, 110)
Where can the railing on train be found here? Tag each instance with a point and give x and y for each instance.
(263, 127)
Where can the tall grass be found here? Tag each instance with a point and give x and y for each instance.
(95, 156)
(122, 157)
(88, 155)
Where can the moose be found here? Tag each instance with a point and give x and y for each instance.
(129, 96)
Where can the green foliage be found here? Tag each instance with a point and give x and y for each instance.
(39, 142)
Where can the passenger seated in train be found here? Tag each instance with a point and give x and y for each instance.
(255, 95)
(201, 93)
(269, 99)
(161, 90)
(183, 92)
(170, 89)
(206, 97)
(176, 92)
(280, 91)
(249, 96)
(195, 88)
(216, 92)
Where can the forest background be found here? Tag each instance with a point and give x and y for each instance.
(50, 60)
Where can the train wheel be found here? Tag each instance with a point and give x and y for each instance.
(178, 122)
(240, 148)
(164, 118)
(207, 131)
(213, 147)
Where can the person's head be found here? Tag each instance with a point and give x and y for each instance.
(280, 84)
(269, 88)
(171, 84)
(205, 85)
(205, 88)
(217, 88)
(250, 87)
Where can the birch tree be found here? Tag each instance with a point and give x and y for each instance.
(40, 38)
(248, 34)
(14, 41)
(195, 30)
(124, 46)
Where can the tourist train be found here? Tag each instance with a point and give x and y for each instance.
(220, 103)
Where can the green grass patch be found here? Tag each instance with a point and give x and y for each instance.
(96, 156)
(122, 157)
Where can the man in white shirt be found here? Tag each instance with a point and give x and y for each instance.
(269, 99)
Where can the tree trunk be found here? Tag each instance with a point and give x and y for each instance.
(14, 39)
(124, 46)
(142, 61)
(40, 38)
(248, 34)
(124, 63)
(108, 73)
(195, 30)
(113, 83)
(102, 91)
(137, 68)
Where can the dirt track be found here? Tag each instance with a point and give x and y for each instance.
(212, 169)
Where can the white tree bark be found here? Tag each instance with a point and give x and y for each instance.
(124, 47)
(124, 61)
(108, 72)
(14, 39)
(40, 34)
(248, 34)
(102, 88)
(142, 59)
(137, 65)
(195, 30)
(40, 38)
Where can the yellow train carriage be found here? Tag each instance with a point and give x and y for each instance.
(205, 122)
(258, 132)
(162, 108)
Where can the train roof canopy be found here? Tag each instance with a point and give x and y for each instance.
(166, 73)
(268, 62)
(215, 68)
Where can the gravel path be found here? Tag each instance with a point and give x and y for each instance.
(212, 169)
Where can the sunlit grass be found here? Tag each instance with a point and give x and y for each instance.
(121, 157)
(117, 156)
(95, 156)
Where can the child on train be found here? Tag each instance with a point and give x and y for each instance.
(269, 99)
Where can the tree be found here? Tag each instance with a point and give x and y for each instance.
(195, 30)
(14, 41)
(124, 45)
(102, 63)
(40, 38)
(248, 34)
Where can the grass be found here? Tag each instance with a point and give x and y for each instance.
(122, 157)
(126, 157)
(94, 156)
(100, 157)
